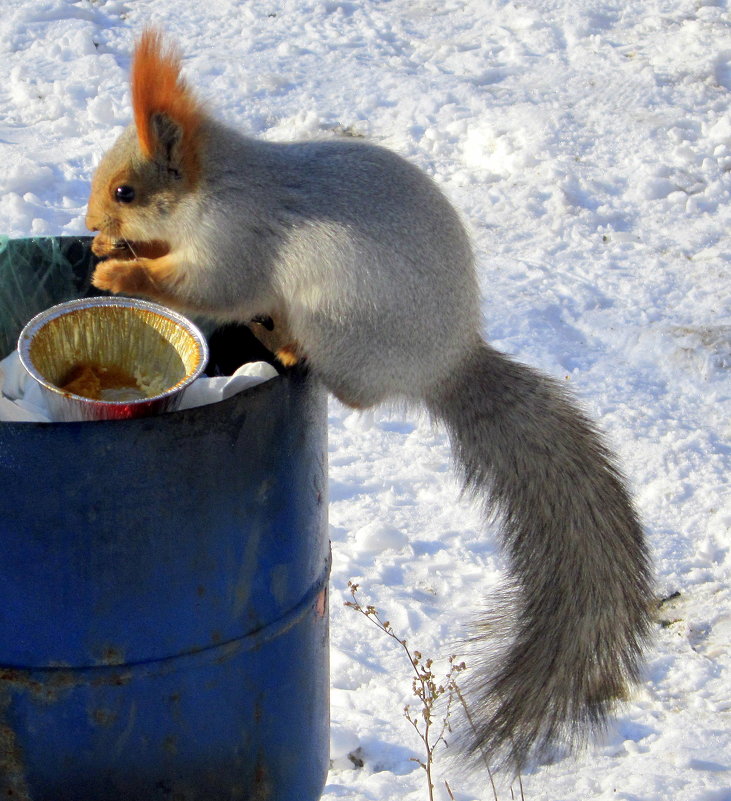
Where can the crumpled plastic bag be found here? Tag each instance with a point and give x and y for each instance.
(206, 390)
(21, 399)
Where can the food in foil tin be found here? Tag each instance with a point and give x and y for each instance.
(99, 382)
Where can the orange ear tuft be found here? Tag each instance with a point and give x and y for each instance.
(158, 88)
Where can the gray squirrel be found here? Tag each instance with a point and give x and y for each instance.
(368, 275)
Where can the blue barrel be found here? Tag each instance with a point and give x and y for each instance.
(163, 603)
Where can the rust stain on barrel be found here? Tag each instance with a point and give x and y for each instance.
(103, 717)
(52, 685)
(12, 769)
(47, 690)
(262, 788)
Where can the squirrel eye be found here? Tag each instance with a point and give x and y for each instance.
(124, 193)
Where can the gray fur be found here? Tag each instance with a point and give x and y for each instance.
(362, 251)
(399, 319)
(581, 590)
(368, 264)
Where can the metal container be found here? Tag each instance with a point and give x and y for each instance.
(163, 603)
(156, 352)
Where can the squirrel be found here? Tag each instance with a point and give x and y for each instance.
(366, 273)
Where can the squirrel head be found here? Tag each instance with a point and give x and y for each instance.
(155, 163)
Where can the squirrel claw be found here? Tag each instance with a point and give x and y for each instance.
(118, 275)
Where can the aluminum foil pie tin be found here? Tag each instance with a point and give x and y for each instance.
(106, 358)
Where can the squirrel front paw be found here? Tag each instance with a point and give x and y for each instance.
(121, 275)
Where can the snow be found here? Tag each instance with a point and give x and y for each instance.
(587, 144)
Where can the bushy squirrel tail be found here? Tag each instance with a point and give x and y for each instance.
(569, 636)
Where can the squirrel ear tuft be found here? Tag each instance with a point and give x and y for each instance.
(164, 107)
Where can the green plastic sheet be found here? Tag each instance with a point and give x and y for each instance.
(38, 272)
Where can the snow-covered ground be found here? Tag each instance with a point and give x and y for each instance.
(588, 145)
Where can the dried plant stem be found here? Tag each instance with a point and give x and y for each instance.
(428, 691)
(425, 688)
(468, 715)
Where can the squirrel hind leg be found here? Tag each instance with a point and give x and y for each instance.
(350, 402)
(273, 332)
(289, 355)
(357, 397)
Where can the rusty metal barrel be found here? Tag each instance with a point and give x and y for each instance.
(163, 602)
